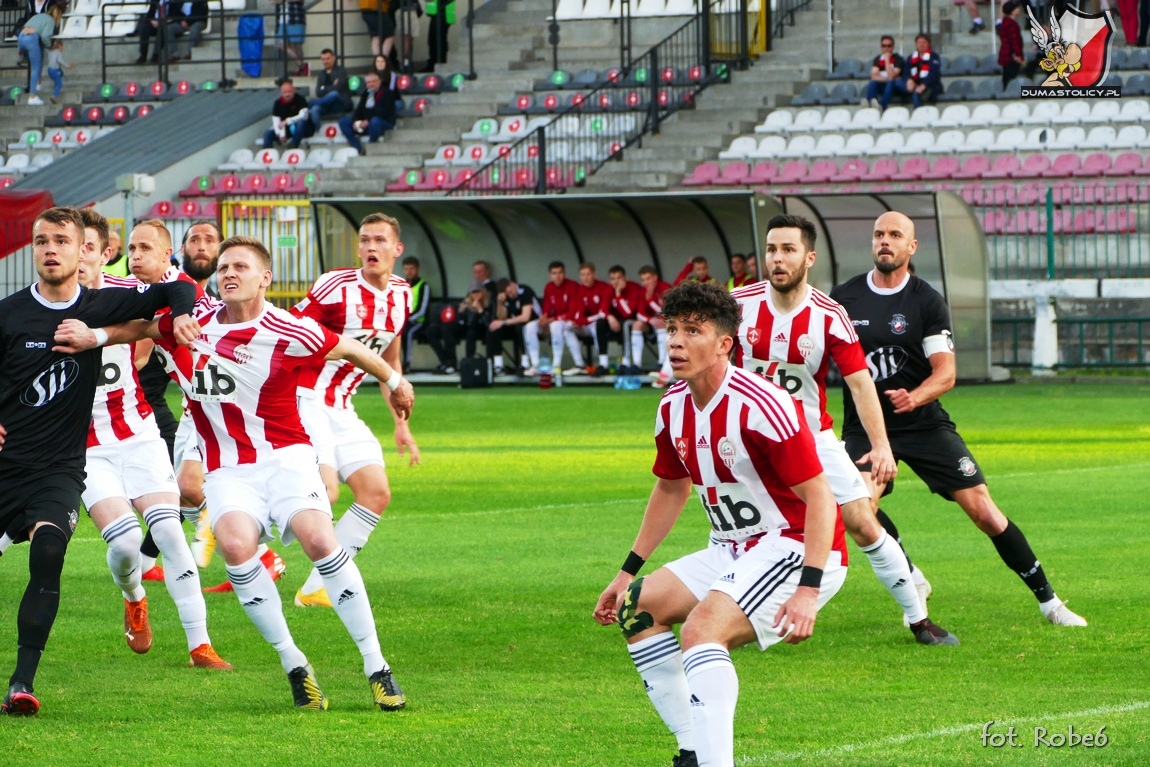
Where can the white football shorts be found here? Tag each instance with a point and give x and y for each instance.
(845, 480)
(130, 469)
(187, 444)
(340, 437)
(271, 491)
(759, 581)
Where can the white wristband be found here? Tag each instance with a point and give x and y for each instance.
(101, 336)
(393, 382)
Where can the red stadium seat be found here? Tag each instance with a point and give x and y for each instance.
(733, 174)
(406, 181)
(794, 172)
(994, 221)
(210, 210)
(882, 171)
(1120, 221)
(1032, 167)
(702, 174)
(912, 169)
(1064, 165)
(822, 171)
(281, 182)
(944, 168)
(189, 209)
(1094, 165)
(303, 183)
(1030, 193)
(1126, 164)
(143, 110)
(229, 184)
(201, 186)
(256, 183)
(435, 180)
(162, 209)
(974, 167)
(851, 170)
(763, 173)
(972, 193)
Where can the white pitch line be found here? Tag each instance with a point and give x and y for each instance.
(896, 740)
(1068, 471)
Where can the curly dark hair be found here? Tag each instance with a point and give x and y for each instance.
(703, 302)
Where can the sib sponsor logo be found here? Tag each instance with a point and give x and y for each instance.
(776, 373)
(48, 384)
(886, 361)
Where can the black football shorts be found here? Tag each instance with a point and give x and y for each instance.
(937, 455)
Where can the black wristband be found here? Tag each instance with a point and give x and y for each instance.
(812, 577)
(633, 564)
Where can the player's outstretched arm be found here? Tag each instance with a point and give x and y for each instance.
(865, 396)
(939, 382)
(663, 509)
(797, 614)
(355, 352)
(404, 441)
(74, 336)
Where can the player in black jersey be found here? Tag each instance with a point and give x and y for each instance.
(904, 326)
(45, 408)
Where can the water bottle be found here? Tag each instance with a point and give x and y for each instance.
(546, 380)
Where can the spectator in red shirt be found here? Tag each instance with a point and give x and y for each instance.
(649, 316)
(739, 276)
(696, 269)
(562, 313)
(626, 301)
(597, 297)
(1010, 56)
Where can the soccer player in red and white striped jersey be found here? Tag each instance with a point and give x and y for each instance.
(628, 298)
(776, 552)
(128, 471)
(240, 377)
(371, 305)
(790, 332)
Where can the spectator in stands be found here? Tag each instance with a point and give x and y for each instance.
(420, 299)
(333, 96)
(650, 315)
(404, 17)
(389, 78)
(481, 272)
(290, 106)
(596, 322)
(696, 269)
(976, 24)
(35, 37)
(379, 24)
(31, 8)
(192, 25)
(626, 299)
(884, 70)
(519, 321)
(441, 14)
(163, 18)
(1010, 56)
(562, 309)
(56, 66)
(374, 116)
(291, 30)
(475, 315)
(753, 267)
(117, 264)
(923, 82)
(739, 276)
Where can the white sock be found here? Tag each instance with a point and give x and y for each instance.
(714, 690)
(352, 532)
(348, 596)
(124, 537)
(659, 662)
(637, 348)
(146, 562)
(916, 575)
(261, 549)
(557, 343)
(498, 360)
(604, 361)
(5, 542)
(891, 569)
(574, 345)
(661, 340)
(192, 513)
(531, 342)
(180, 573)
(261, 601)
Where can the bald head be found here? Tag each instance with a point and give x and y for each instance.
(893, 243)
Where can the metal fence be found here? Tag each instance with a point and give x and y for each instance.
(1083, 342)
(286, 228)
(1065, 229)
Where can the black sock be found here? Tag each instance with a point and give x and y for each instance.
(41, 601)
(149, 548)
(888, 525)
(1018, 556)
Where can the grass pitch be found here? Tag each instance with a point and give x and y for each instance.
(485, 569)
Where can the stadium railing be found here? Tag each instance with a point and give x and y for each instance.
(1083, 342)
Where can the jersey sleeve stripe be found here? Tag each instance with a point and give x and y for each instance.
(785, 424)
(749, 291)
(310, 340)
(828, 304)
(329, 283)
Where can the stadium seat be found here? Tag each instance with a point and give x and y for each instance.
(328, 134)
(237, 160)
(188, 209)
(956, 91)
(987, 89)
(742, 146)
(777, 121)
(1130, 137)
(444, 155)
(851, 171)
(1137, 85)
(1105, 111)
(53, 139)
(1120, 221)
(1072, 113)
(763, 173)
(733, 174)
(917, 143)
(948, 141)
(1100, 137)
(882, 170)
(511, 129)
(290, 160)
(1003, 167)
(988, 65)
(523, 103)
(886, 144)
(926, 116)
(1063, 165)
(28, 140)
(16, 164)
(865, 119)
(829, 145)
(770, 146)
(983, 115)
(1043, 113)
(975, 166)
(894, 118)
(262, 160)
(1008, 140)
(122, 25)
(847, 69)
(75, 26)
(953, 116)
(1012, 91)
(813, 93)
(434, 181)
(255, 183)
(227, 184)
(912, 169)
(316, 158)
(482, 130)
(978, 140)
(1133, 110)
(843, 93)
(822, 171)
(303, 183)
(406, 181)
(794, 172)
(199, 186)
(858, 144)
(1068, 138)
(961, 65)
(702, 174)
(341, 157)
(944, 168)
(162, 210)
(1126, 164)
(475, 154)
(799, 146)
(993, 221)
(834, 120)
(1032, 167)
(1013, 114)
(805, 121)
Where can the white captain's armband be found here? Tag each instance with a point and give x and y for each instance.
(942, 343)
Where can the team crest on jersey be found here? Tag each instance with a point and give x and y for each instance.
(966, 466)
(806, 345)
(682, 446)
(242, 354)
(361, 312)
(753, 335)
(898, 324)
(727, 452)
(73, 519)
